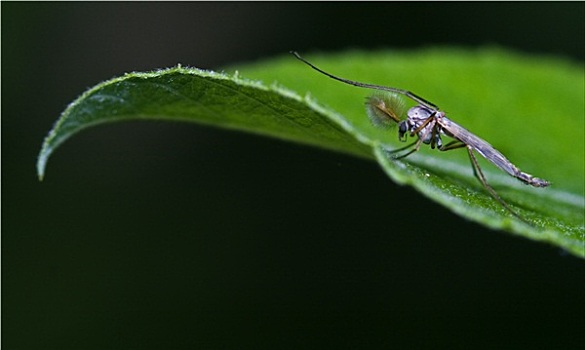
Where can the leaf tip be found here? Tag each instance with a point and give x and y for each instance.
(42, 162)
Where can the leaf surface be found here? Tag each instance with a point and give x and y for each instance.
(529, 108)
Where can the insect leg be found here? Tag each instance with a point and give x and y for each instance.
(406, 93)
(452, 145)
(415, 149)
(434, 134)
(402, 148)
(479, 175)
(420, 138)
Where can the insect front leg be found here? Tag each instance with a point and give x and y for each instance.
(429, 125)
(415, 143)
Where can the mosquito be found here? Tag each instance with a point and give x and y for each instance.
(427, 122)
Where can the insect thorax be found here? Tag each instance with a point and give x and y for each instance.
(418, 116)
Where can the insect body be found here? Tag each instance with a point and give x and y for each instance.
(428, 124)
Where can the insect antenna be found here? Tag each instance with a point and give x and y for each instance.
(406, 93)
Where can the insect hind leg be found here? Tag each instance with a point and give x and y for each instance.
(479, 175)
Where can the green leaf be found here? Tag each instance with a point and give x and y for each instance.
(530, 108)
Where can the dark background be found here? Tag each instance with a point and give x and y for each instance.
(173, 236)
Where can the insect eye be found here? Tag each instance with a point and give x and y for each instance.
(402, 127)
